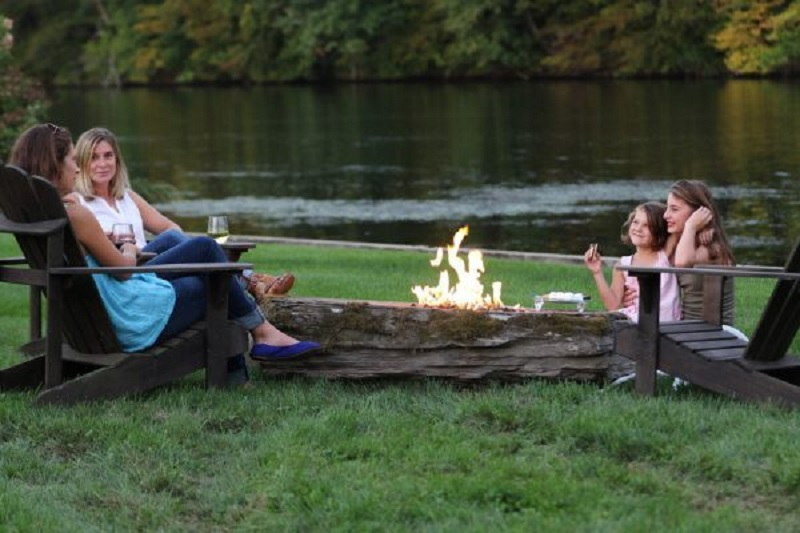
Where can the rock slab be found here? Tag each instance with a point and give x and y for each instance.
(369, 340)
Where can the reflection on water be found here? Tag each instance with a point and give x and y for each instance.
(530, 166)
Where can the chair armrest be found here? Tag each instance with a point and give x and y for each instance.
(185, 268)
(711, 270)
(761, 268)
(45, 227)
(13, 261)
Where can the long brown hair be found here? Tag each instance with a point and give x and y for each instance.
(41, 150)
(84, 150)
(654, 211)
(697, 194)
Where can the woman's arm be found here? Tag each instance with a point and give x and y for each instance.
(152, 219)
(672, 243)
(689, 252)
(95, 241)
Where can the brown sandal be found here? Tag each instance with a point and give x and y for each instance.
(264, 285)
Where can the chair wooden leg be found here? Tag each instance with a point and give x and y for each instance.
(35, 301)
(216, 342)
(133, 375)
(646, 372)
(647, 362)
(26, 375)
(730, 377)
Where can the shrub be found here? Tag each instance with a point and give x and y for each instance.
(22, 99)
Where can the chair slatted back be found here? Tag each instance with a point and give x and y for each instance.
(15, 185)
(781, 317)
(25, 199)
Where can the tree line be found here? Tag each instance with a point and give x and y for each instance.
(121, 42)
(22, 99)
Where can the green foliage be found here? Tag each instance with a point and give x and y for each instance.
(22, 100)
(633, 37)
(49, 36)
(345, 39)
(677, 43)
(785, 55)
(110, 56)
(244, 41)
(486, 37)
(165, 45)
(749, 35)
(760, 37)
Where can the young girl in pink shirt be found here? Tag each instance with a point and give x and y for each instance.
(645, 229)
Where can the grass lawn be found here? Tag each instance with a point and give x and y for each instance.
(310, 455)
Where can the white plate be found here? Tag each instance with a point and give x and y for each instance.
(566, 298)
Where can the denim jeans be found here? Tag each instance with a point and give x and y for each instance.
(165, 240)
(190, 289)
(173, 237)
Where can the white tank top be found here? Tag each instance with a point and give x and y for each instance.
(124, 212)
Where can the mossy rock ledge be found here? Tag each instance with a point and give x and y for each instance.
(369, 340)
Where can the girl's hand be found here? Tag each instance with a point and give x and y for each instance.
(699, 219)
(630, 296)
(593, 260)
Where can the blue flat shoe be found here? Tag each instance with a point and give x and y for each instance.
(267, 352)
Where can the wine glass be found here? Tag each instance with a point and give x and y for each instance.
(218, 228)
(121, 234)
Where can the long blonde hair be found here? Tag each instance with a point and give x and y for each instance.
(84, 150)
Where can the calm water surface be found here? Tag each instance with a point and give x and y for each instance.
(544, 167)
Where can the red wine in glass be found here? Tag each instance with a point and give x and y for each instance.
(121, 234)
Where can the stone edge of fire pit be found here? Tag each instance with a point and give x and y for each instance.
(373, 340)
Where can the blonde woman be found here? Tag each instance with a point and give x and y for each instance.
(104, 188)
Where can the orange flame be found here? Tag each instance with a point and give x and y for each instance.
(468, 291)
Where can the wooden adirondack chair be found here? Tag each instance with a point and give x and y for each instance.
(82, 360)
(704, 354)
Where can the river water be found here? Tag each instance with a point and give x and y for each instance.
(539, 166)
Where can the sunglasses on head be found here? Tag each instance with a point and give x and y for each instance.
(55, 129)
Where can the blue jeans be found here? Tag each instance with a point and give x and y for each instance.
(190, 289)
(173, 237)
(166, 240)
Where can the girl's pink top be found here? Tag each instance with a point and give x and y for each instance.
(670, 295)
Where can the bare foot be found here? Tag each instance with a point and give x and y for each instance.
(266, 333)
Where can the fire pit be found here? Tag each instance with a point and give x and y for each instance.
(457, 333)
(383, 339)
